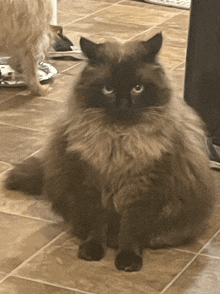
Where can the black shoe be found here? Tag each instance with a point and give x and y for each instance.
(62, 43)
(65, 50)
(213, 145)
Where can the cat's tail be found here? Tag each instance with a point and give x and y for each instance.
(27, 177)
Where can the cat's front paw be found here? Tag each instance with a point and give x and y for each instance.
(90, 250)
(128, 261)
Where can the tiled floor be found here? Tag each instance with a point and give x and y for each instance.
(37, 253)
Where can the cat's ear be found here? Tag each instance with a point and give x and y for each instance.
(89, 48)
(154, 44)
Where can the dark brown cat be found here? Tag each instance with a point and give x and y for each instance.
(126, 165)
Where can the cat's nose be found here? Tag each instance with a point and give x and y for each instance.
(125, 111)
(124, 104)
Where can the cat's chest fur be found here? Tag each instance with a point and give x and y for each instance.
(117, 153)
(114, 148)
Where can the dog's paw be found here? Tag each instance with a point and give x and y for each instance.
(128, 261)
(90, 250)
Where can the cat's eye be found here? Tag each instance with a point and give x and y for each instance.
(138, 89)
(107, 90)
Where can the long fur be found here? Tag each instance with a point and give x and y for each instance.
(145, 183)
(122, 161)
(25, 36)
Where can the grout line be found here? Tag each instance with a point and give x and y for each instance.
(78, 63)
(189, 263)
(56, 101)
(1, 161)
(32, 217)
(143, 32)
(12, 165)
(169, 6)
(159, 24)
(152, 6)
(1, 280)
(13, 95)
(201, 254)
(52, 284)
(13, 272)
(185, 251)
(34, 153)
(90, 14)
(20, 127)
(33, 256)
(210, 256)
(175, 66)
(29, 217)
(4, 172)
(9, 166)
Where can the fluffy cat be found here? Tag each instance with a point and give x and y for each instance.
(126, 165)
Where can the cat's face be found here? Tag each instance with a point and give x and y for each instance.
(123, 80)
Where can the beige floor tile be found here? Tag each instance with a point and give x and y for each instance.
(2, 276)
(21, 96)
(180, 22)
(186, 12)
(25, 205)
(14, 285)
(59, 263)
(174, 37)
(21, 237)
(171, 37)
(7, 93)
(75, 72)
(119, 21)
(156, 8)
(213, 248)
(18, 143)
(64, 18)
(201, 277)
(181, 66)
(4, 166)
(61, 87)
(62, 65)
(171, 56)
(82, 7)
(177, 78)
(126, 14)
(110, 1)
(38, 114)
(98, 28)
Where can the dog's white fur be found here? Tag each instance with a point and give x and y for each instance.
(25, 36)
